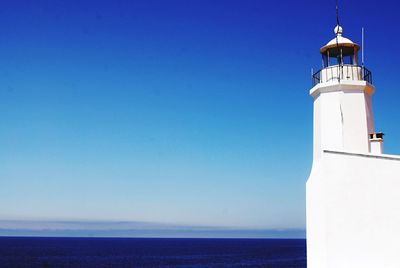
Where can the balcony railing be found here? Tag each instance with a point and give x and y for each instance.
(342, 72)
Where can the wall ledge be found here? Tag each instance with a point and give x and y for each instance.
(380, 156)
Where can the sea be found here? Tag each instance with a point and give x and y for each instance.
(48, 252)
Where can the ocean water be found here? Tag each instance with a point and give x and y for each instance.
(151, 252)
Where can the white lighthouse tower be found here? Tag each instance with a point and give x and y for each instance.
(353, 192)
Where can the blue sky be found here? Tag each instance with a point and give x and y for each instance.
(189, 113)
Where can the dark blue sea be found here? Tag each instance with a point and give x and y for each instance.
(151, 252)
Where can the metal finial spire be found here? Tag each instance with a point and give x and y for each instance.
(338, 29)
(338, 32)
(337, 13)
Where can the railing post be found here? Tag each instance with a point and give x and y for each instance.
(363, 72)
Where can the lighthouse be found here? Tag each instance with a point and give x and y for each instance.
(353, 191)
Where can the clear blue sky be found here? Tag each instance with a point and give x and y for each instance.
(180, 112)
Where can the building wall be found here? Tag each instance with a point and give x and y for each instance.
(353, 211)
(342, 116)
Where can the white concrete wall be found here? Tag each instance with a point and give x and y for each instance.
(353, 211)
(346, 72)
(354, 120)
(342, 116)
(370, 119)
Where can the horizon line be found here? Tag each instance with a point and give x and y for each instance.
(132, 229)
